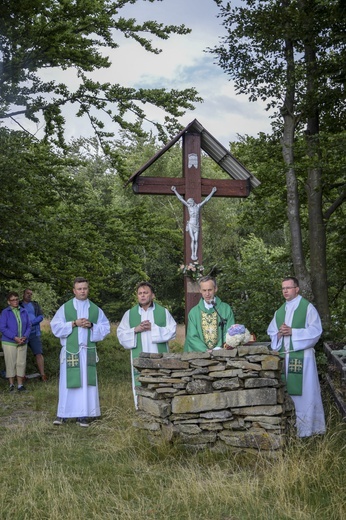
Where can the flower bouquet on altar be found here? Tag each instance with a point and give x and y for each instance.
(236, 335)
(193, 270)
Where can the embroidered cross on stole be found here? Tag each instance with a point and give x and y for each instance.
(294, 380)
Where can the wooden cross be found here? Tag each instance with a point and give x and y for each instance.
(192, 185)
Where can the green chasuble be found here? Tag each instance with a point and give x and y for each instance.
(135, 319)
(294, 380)
(198, 339)
(72, 348)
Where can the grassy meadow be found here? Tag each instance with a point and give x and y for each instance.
(110, 471)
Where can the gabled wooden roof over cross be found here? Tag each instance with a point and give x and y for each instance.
(192, 186)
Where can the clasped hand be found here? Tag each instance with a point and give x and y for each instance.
(285, 330)
(84, 323)
(20, 340)
(143, 326)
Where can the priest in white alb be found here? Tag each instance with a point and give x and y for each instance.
(294, 331)
(79, 324)
(146, 327)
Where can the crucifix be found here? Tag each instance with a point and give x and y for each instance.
(193, 225)
(191, 187)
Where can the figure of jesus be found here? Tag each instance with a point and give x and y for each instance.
(192, 225)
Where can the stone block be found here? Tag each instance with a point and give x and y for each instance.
(211, 427)
(199, 386)
(220, 400)
(261, 382)
(226, 373)
(223, 415)
(264, 419)
(259, 410)
(200, 370)
(190, 429)
(204, 438)
(166, 390)
(156, 380)
(218, 367)
(224, 353)
(203, 362)
(243, 364)
(157, 363)
(260, 348)
(271, 363)
(146, 392)
(230, 384)
(235, 424)
(188, 356)
(155, 408)
(260, 441)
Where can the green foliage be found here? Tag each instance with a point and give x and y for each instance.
(51, 349)
(250, 282)
(32, 185)
(264, 212)
(256, 51)
(78, 37)
(292, 56)
(85, 223)
(71, 216)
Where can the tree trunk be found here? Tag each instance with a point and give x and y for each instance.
(317, 230)
(293, 214)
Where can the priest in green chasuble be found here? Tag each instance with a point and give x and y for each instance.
(294, 331)
(146, 327)
(79, 324)
(203, 329)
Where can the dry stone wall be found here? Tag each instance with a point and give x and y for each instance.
(229, 398)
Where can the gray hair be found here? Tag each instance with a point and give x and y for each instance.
(207, 279)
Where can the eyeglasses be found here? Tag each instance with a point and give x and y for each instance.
(13, 300)
(291, 287)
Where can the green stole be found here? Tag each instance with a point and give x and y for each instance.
(72, 348)
(294, 380)
(135, 319)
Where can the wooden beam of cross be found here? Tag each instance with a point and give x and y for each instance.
(192, 186)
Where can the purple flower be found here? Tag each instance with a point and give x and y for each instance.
(236, 329)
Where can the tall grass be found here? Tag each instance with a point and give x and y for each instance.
(111, 471)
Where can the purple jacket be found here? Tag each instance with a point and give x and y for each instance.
(9, 325)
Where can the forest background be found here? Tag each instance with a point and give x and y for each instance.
(65, 211)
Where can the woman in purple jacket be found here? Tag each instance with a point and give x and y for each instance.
(15, 328)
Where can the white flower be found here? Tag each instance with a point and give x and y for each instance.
(234, 340)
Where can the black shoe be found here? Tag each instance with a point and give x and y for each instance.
(83, 421)
(11, 388)
(21, 388)
(59, 421)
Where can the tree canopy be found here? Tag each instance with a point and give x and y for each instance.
(77, 36)
(291, 54)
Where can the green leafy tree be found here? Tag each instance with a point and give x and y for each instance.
(292, 55)
(263, 214)
(32, 186)
(75, 36)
